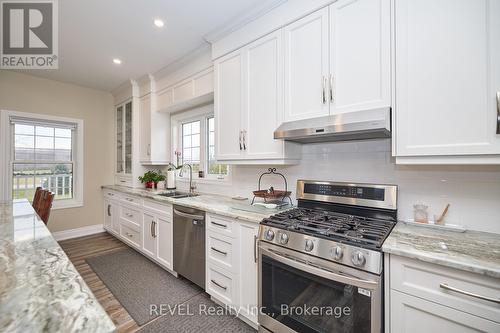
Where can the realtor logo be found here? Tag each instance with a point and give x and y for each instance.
(29, 34)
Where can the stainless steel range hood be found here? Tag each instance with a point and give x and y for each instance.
(361, 125)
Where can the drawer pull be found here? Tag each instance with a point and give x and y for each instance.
(219, 224)
(110, 194)
(129, 215)
(484, 298)
(128, 199)
(219, 251)
(219, 285)
(129, 235)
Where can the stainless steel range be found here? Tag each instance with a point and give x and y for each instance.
(321, 264)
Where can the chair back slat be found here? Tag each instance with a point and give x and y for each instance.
(37, 197)
(44, 205)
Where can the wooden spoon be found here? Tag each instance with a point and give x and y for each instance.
(443, 214)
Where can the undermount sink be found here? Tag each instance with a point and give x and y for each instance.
(178, 194)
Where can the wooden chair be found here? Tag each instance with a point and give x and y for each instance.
(45, 205)
(36, 198)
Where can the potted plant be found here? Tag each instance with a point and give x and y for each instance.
(159, 177)
(149, 179)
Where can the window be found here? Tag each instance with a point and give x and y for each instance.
(197, 146)
(44, 153)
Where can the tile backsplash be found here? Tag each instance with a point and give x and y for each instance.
(472, 191)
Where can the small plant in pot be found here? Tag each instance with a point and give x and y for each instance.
(151, 178)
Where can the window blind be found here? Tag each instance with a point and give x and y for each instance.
(41, 122)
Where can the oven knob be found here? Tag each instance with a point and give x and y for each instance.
(269, 235)
(309, 245)
(337, 253)
(284, 238)
(358, 258)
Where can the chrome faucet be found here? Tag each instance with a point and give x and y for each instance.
(191, 188)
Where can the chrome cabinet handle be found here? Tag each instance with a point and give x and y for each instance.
(151, 229)
(128, 199)
(109, 210)
(218, 285)
(219, 224)
(129, 215)
(498, 112)
(244, 140)
(468, 293)
(154, 229)
(110, 194)
(331, 88)
(219, 251)
(129, 235)
(255, 248)
(323, 93)
(149, 150)
(241, 147)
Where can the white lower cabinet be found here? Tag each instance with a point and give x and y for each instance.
(231, 269)
(418, 300)
(410, 314)
(143, 224)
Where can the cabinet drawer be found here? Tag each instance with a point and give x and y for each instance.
(112, 195)
(123, 180)
(132, 200)
(221, 225)
(164, 209)
(130, 235)
(221, 284)
(425, 280)
(220, 250)
(131, 215)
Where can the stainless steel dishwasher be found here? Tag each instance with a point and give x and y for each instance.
(189, 244)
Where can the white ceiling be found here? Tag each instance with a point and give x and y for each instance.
(93, 32)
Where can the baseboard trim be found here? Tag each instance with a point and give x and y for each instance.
(78, 232)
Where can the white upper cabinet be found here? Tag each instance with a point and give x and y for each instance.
(154, 132)
(306, 67)
(193, 91)
(447, 65)
(229, 106)
(360, 60)
(264, 102)
(249, 104)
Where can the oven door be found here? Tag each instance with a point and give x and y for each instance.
(302, 293)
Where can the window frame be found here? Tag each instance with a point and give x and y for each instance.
(199, 114)
(77, 150)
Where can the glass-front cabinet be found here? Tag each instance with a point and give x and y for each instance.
(123, 118)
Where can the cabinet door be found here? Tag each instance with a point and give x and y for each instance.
(165, 242)
(411, 314)
(248, 290)
(128, 137)
(447, 74)
(228, 106)
(360, 55)
(145, 128)
(119, 117)
(264, 97)
(306, 67)
(108, 216)
(149, 232)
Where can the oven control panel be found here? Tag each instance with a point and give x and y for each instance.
(345, 254)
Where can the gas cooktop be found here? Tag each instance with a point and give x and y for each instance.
(343, 228)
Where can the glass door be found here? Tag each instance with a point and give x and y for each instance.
(119, 139)
(128, 138)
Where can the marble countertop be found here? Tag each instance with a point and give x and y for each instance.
(472, 251)
(211, 203)
(40, 289)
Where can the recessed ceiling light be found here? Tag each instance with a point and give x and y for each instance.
(159, 23)
(117, 61)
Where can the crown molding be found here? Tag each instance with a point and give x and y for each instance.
(242, 20)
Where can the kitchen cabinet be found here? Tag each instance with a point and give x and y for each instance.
(149, 230)
(337, 60)
(123, 143)
(418, 302)
(249, 105)
(165, 242)
(360, 58)
(155, 132)
(306, 67)
(191, 92)
(232, 264)
(447, 65)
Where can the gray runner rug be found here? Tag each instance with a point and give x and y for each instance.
(138, 284)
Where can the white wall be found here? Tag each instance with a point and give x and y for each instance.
(472, 191)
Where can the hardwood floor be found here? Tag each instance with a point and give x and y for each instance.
(79, 249)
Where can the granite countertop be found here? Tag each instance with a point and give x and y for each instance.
(40, 289)
(211, 203)
(472, 251)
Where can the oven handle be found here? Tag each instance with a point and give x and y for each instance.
(319, 271)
